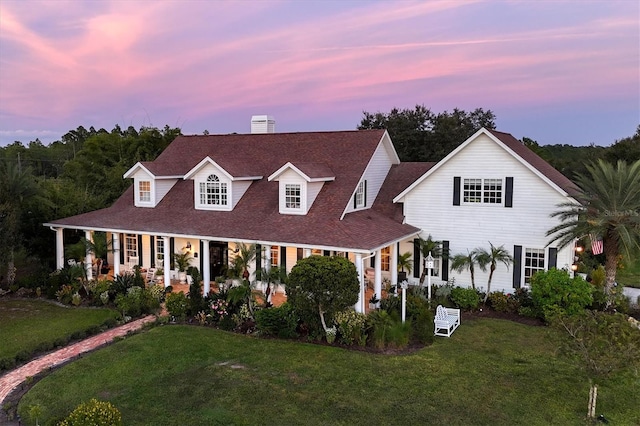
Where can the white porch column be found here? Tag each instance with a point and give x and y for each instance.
(88, 258)
(377, 288)
(393, 263)
(266, 267)
(359, 306)
(307, 252)
(59, 248)
(167, 262)
(116, 253)
(206, 267)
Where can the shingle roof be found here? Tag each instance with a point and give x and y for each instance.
(537, 162)
(399, 178)
(256, 216)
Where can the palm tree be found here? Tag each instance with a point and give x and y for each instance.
(608, 207)
(460, 262)
(245, 255)
(426, 247)
(492, 257)
(18, 185)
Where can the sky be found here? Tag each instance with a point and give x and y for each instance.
(554, 71)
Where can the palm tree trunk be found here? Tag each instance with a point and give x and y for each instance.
(423, 275)
(610, 267)
(486, 295)
(473, 282)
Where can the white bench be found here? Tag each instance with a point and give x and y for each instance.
(446, 321)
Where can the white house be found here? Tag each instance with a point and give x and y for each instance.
(330, 193)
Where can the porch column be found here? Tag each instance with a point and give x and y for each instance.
(59, 248)
(307, 252)
(88, 258)
(167, 262)
(393, 263)
(116, 253)
(377, 287)
(359, 306)
(206, 267)
(266, 266)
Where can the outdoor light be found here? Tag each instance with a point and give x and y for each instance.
(579, 249)
(188, 246)
(574, 267)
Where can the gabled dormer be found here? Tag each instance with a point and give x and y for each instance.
(149, 187)
(299, 185)
(214, 188)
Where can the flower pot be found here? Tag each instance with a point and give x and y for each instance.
(182, 276)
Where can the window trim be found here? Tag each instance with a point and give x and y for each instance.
(214, 188)
(482, 190)
(542, 256)
(275, 256)
(130, 247)
(385, 259)
(360, 197)
(144, 195)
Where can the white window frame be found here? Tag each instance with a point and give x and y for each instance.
(293, 201)
(275, 256)
(159, 252)
(130, 246)
(533, 256)
(360, 196)
(144, 195)
(488, 191)
(213, 192)
(385, 259)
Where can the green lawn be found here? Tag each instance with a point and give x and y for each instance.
(31, 325)
(629, 275)
(491, 372)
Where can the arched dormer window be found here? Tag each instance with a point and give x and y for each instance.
(213, 192)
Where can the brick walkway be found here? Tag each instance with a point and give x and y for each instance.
(14, 378)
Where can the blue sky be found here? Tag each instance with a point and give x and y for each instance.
(553, 71)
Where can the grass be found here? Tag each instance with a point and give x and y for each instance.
(491, 372)
(629, 275)
(28, 326)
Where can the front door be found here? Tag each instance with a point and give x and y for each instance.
(218, 258)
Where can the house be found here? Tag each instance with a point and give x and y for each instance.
(328, 193)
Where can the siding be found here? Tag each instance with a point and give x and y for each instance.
(429, 206)
(163, 186)
(374, 174)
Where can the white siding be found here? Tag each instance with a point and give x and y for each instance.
(374, 174)
(163, 186)
(201, 176)
(238, 190)
(429, 206)
(291, 177)
(313, 188)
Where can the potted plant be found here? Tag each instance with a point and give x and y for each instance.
(373, 302)
(182, 261)
(404, 262)
(160, 275)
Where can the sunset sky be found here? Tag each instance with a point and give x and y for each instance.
(553, 71)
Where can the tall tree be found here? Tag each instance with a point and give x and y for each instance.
(609, 208)
(18, 185)
(492, 257)
(420, 135)
(627, 149)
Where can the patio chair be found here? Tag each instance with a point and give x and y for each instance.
(133, 261)
(150, 277)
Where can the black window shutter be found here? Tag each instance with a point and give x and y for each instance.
(299, 253)
(365, 193)
(201, 256)
(355, 199)
(517, 267)
(416, 258)
(456, 191)
(283, 257)
(258, 262)
(152, 251)
(445, 261)
(122, 249)
(326, 253)
(553, 258)
(372, 261)
(140, 249)
(508, 197)
(172, 249)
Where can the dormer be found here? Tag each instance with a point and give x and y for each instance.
(215, 188)
(299, 185)
(149, 187)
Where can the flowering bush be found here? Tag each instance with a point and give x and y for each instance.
(331, 334)
(501, 302)
(219, 309)
(351, 326)
(65, 294)
(95, 413)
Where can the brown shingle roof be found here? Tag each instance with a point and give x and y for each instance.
(538, 163)
(256, 216)
(399, 178)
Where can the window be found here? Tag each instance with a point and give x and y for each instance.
(385, 255)
(275, 256)
(533, 262)
(488, 191)
(160, 251)
(316, 252)
(144, 190)
(360, 197)
(292, 195)
(131, 246)
(213, 192)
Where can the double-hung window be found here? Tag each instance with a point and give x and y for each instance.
(160, 251)
(131, 246)
(487, 191)
(275, 256)
(385, 255)
(144, 191)
(533, 262)
(292, 196)
(213, 192)
(360, 197)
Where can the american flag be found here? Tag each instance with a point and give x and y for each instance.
(596, 244)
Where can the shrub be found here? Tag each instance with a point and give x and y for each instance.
(465, 298)
(121, 284)
(554, 291)
(501, 302)
(65, 294)
(387, 330)
(177, 305)
(351, 326)
(398, 334)
(196, 303)
(94, 413)
(598, 278)
(281, 321)
(421, 318)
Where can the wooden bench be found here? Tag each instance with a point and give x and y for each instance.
(446, 321)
